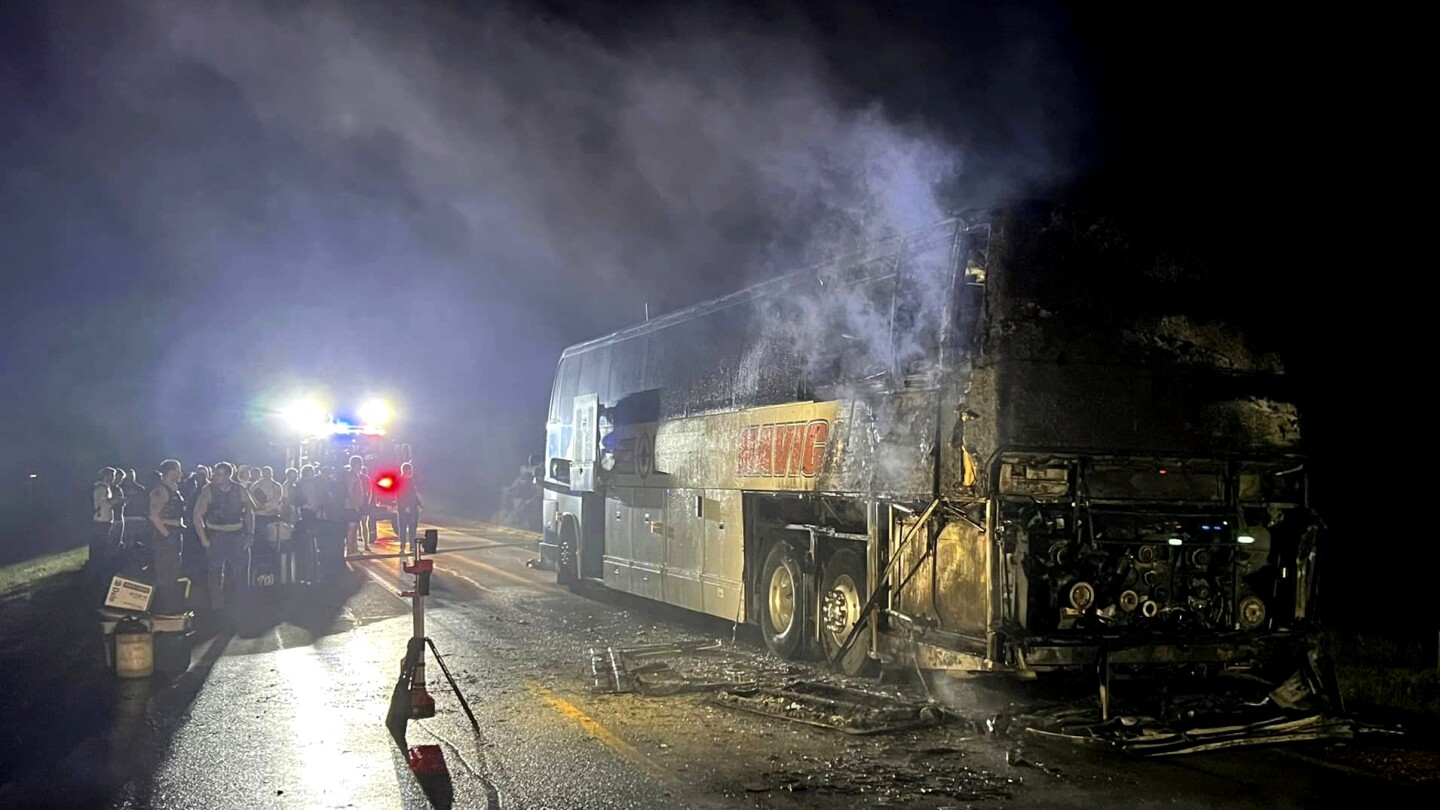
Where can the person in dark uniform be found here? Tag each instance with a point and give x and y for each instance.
(194, 554)
(137, 498)
(166, 539)
(407, 506)
(225, 521)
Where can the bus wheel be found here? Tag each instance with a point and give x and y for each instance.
(782, 603)
(842, 595)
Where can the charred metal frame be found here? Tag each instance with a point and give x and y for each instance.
(970, 518)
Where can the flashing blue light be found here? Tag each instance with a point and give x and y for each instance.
(1206, 527)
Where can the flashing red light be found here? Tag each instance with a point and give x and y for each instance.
(387, 482)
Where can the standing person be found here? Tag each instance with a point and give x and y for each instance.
(267, 494)
(137, 509)
(357, 500)
(118, 507)
(193, 556)
(331, 523)
(288, 510)
(407, 506)
(225, 521)
(166, 512)
(367, 521)
(137, 497)
(303, 497)
(192, 483)
(102, 502)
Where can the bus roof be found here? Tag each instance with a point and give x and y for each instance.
(936, 233)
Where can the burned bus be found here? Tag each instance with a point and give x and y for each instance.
(1013, 441)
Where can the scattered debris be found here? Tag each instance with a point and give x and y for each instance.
(886, 781)
(853, 711)
(1156, 740)
(607, 672)
(1016, 757)
(619, 670)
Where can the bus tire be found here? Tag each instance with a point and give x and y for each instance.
(842, 595)
(782, 591)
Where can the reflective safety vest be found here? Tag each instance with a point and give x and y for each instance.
(173, 512)
(226, 511)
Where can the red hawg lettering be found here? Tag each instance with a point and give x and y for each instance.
(782, 449)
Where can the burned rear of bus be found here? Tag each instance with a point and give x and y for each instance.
(1012, 441)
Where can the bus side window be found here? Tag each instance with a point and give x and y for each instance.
(567, 379)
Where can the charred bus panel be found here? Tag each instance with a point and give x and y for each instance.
(1001, 443)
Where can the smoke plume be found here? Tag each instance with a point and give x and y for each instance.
(412, 197)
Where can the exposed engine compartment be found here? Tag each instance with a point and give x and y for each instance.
(1129, 563)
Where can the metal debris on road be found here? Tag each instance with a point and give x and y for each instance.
(1149, 740)
(622, 670)
(853, 711)
(607, 672)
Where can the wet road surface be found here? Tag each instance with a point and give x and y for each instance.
(286, 710)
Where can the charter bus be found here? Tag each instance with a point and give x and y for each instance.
(1012, 441)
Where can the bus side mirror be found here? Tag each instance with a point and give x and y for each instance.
(431, 540)
(560, 469)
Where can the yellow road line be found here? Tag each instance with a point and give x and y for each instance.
(370, 572)
(590, 726)
(503, 574)
(467, 579)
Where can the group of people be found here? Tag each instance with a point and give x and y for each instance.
(305, 520)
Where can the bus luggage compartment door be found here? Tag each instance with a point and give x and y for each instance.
(583, 449)
(618, 552)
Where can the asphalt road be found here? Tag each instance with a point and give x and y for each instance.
(287, 711)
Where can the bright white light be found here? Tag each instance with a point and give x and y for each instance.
(1245, 539)
(375, 413)
(307, 416)
(1175, 541)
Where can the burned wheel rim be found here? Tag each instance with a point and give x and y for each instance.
(782, 599)
(841, 609)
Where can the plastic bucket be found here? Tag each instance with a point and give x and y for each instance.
(176, 623)
(109, 619)
(134, 650)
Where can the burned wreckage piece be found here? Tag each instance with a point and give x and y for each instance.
(853, 711)
(1135, 736)
(1305, 707)
(643, 669)
(1014, 441)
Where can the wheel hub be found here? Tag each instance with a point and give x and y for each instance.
(782, 599)
(841, 607)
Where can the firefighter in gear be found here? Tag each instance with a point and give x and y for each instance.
(167, 536)
(225, 522)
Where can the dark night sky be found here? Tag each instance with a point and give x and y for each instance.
(205, 213)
